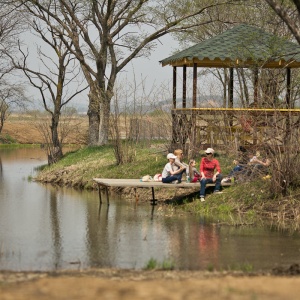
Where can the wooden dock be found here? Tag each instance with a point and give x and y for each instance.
(106, 183)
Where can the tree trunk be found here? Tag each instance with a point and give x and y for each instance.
(55, 151)
(3, 114)
(54, 131)
(94, 119)
(104, 122)
(99, 112)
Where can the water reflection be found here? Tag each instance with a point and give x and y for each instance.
(55, 226)
(0, 168)
(48, 228)
(208, 238)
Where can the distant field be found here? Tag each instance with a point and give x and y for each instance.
(26, 129)
(30, 129)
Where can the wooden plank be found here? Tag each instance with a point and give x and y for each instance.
(110, 182)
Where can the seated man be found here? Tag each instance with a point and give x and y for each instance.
(240, 164)
(259, 166)
(254, 167)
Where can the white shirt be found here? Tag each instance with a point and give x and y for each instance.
(166, 171)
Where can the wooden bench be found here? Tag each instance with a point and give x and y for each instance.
(137, 183)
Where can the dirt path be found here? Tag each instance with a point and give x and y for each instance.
(125, 284)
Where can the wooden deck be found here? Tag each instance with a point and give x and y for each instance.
(136, 183)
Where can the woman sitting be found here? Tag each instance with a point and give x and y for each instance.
(210, 173)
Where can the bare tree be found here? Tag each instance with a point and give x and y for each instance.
(108, 34)
(138, 118)
(11, 93)
(9, 29)
(52, 79)
(10, 97)
(286, 159)
(289, 12)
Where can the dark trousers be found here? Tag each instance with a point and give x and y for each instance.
(204, 181)
(169, 179)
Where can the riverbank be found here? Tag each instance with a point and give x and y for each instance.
(243, 203)
(130, 284)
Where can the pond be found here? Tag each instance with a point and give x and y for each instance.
(44, 228)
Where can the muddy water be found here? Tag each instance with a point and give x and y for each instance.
(46, 228)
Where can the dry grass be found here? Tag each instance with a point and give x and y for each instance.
(23, 129)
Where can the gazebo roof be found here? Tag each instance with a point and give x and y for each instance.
(243, 46)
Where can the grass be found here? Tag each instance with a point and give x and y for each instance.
(89, 162)
(243, 267)
(16, 146)
(100, 162)
(153, 264)
(7, 139)
(247, 204)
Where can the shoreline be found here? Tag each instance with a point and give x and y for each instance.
(248, 200)
(108, 284)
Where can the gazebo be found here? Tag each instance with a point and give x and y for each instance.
(243, 46)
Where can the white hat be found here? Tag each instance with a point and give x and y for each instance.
(171, 155)
(210, 150)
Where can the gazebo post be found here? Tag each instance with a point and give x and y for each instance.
(230, 92)
(184, 87)
(288, 88)
(192, 127)
(194, 85)
(230, 88)
(255, 96)
(255, 100)
(174, 86)
(182, 128)
(174, 119)
(288, 100)
(224, 89)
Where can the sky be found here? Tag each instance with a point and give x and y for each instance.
(140, 68)
(147, 69)
(150, 67)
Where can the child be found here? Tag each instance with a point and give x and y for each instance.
(192, 171)
(178, 160)
(170, 174)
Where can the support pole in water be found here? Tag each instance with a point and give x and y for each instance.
(99, 190)
(107, 197)
(106, 191)
(153, 201)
